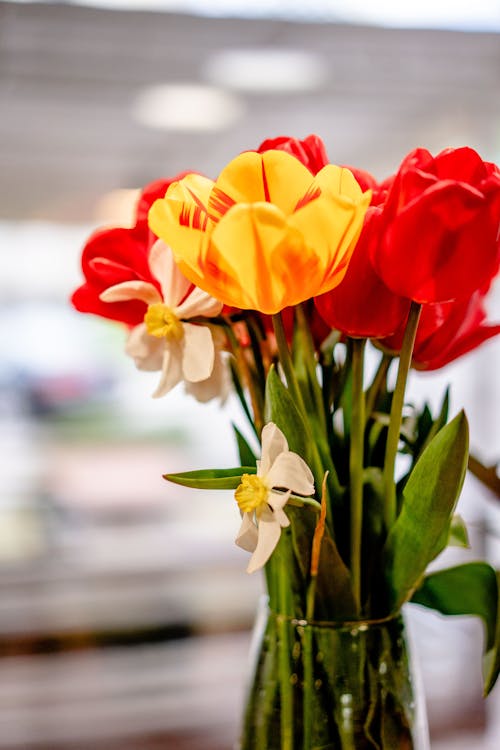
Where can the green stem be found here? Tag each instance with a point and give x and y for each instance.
(311, 364)
(286, 362)
(244, 373)
(356, 465)
(293, 386)
(326, 389)
(286, 687)
(396, 417)
(307, 646)
(374, 390)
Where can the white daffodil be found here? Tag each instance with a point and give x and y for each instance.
(181, 350)
(260, 500)
(219, 383)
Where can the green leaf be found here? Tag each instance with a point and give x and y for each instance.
(281, 409)
(246, 454)
(334, 598)
(458, 536)
(211, 479)
(491, 660)
(455, 535)
(238, 387)
(305, 366)
(427, 434)
(468, 589)
(429, 499)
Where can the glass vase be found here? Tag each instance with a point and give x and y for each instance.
(332, 686)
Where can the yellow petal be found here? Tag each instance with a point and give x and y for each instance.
(339, 181)
(274, 176)
(267, 234)
(331, 225)
(181, 219)
(251, 258)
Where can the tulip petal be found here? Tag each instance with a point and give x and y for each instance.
(256, 238)
(262, 275)
(331, 226)
(247, 536)
(197, 352)
(426, 252)
(362, 305)
(462, 164)
(339, 182)
(180, 220)
(291, 472)
(274, 177)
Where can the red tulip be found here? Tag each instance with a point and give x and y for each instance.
(446, 331)
(114, 255)
(311, 151)
(440, 227)
(368, 182)
(362, 305)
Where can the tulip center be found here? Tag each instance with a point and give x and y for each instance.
(252, 493)
(162, 322)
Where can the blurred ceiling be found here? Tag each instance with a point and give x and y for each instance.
(73, 91)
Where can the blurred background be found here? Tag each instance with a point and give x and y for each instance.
(125, 609)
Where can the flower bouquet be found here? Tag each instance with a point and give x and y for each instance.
(276, 278)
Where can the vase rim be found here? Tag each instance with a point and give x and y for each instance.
(360, 625)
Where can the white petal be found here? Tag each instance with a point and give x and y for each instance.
(199, 302)
(218, 385)
(173, 283)
(277, 501)
(128, 290)
(146, 350)
(198, 352)
(247, 535)
(269, 532)
(291, 471)
(273, 443)
(282, 518)
(171, 370)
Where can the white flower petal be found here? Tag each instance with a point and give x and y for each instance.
(128, 290)
(199, 302)
(146, 350)
(290, 471)
(173, 283)
(171, 370)
(247, 535)
(277, 501)
(282, 518)
(218, 385)
(198, 352)
(273, 443)
(269, 532)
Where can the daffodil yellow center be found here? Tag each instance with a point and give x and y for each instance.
(162, 322)
(252, 493)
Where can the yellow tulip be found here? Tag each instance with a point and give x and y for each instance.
(266, 234)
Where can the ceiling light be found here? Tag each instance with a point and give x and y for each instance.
(186, 107)
(266, 70)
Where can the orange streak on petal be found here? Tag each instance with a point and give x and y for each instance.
(219, 203)
(313, 192)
